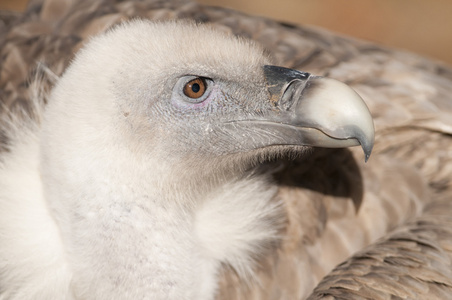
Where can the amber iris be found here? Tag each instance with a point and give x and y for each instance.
(195, 88)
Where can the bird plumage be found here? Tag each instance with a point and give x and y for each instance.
(328, 205)
(172, 214)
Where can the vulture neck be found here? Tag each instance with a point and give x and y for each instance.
(152, 229)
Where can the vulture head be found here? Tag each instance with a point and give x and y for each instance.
(147, 126)
(190, 100)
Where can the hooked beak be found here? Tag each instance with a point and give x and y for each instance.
(323, 112)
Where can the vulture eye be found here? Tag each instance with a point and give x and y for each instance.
(195, 88)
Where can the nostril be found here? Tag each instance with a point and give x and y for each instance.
(292, 92)
(282, 84)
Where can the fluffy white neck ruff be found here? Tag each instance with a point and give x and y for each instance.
(120, 237)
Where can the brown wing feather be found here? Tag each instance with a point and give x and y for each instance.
(336, 205)
(414, 262)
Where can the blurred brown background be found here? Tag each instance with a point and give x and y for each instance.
(420, 26)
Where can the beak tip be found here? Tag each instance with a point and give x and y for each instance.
(367, 144)
(366, 138)
(366, 155)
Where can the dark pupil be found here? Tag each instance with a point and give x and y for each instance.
(195, 87)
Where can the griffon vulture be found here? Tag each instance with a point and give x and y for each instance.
(166, 159)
